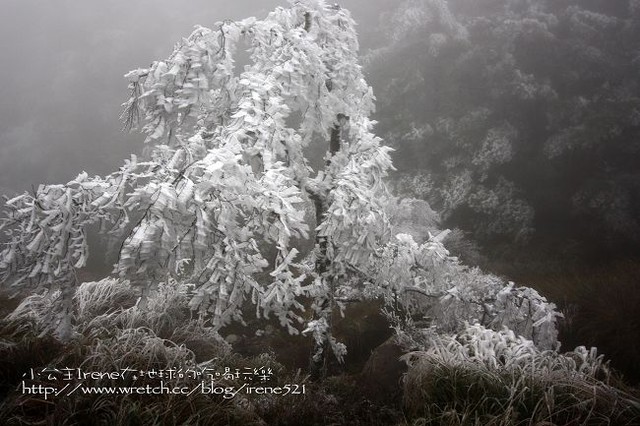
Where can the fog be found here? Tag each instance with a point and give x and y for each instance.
(62, 76)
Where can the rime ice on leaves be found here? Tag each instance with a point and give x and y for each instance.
(224, 178)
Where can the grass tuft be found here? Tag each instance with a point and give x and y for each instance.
(482, 377)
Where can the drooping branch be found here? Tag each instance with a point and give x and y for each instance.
(207, 208)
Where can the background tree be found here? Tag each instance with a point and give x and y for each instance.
(528, 111)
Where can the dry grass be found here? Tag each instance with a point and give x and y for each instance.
(505, 381)
(112, 333)
(452, 387)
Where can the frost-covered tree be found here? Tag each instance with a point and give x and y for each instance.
(219, 197)
(218, 203)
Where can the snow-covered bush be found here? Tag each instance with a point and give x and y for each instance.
(494, 303)
(422, 282)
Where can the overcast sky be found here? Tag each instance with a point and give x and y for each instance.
(62, 71)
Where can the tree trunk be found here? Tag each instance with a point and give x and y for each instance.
(324, 306)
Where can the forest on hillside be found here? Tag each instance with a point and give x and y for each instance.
(439, 227)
